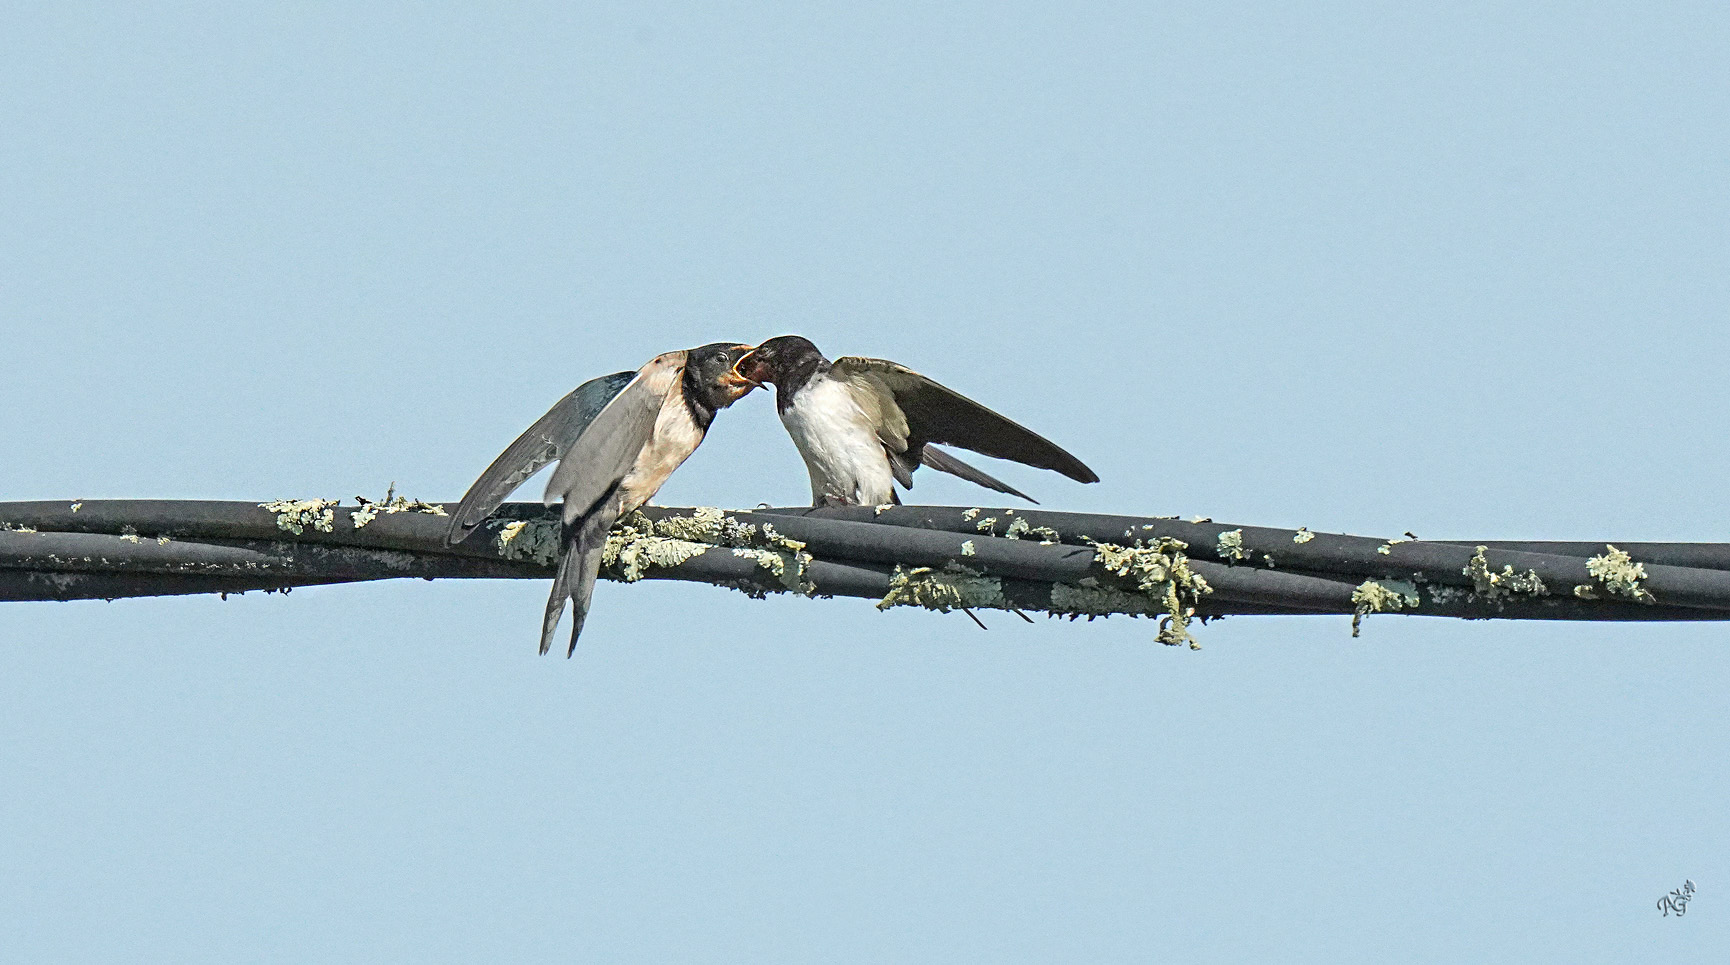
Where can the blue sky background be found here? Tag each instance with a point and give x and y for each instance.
(1339, 265)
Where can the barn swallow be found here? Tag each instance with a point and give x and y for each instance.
(617, 439)
(863, 425)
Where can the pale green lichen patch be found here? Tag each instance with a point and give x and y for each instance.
(1586, 591)
(1230, 546)
(638, 545)
(1381, 596)
(129, 534)
(880, 510)
(970, 515)
(391, 504)
(1492, 585)
(633, 548)
(706, 524)
(782, 557)
(77, 506)
(1444, 594)
(1161, 571)
(967, 548)
(529, 540)
(1089, 599)
(788, 567)
(984, 525)
(1019, 527)
(1620, 576)
(1303, 535)
(953, 587)
(295, 515)
(17, 528)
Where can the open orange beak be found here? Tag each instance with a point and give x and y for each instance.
(737, 383)
(745, 370)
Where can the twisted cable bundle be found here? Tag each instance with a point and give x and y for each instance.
(943, 558)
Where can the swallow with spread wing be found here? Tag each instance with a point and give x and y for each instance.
(617, 439)
(863, 425)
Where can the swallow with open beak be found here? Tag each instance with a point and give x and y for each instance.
(617, 439)
(863, 425)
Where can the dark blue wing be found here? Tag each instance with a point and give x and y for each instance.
(548, 439)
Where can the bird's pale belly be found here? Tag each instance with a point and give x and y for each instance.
(675, 438)
(841, 450)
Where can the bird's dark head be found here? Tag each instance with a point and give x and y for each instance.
(785, 361)
(710, 374)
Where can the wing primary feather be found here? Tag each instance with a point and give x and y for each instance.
(548, 439)
(901, 466)
(944, 462)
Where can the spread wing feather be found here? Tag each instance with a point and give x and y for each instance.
(935, 413)
(943, 462)
(548, 439)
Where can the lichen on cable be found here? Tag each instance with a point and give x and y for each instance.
(782, 557)
(638, 545)
(633, 548)
(1230, 546)
(1160, 570)
(529, 541)
(1020, 525)
(1303, 535)
(1619, 575)
(1089, 598)
(706, 524)
(1381, 596)
(295, 515)
(1492, 585)
(952, 587)
(391, 504)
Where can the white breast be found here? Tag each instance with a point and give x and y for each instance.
(839, 445)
